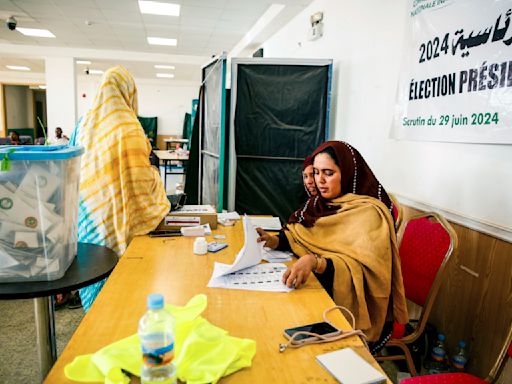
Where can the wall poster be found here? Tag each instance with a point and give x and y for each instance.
(456, 78)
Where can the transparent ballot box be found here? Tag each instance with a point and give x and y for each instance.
(38, 211)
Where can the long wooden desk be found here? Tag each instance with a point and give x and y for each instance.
(168, 266)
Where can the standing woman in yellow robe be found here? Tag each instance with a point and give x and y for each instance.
(121, 194)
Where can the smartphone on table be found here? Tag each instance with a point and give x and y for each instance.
(322, 328)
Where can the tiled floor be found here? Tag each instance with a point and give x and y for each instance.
(18, 351)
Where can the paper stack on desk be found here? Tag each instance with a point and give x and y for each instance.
(267, 223)
(247, 272)
(350, 368)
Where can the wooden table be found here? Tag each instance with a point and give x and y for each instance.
(167, 157)
(168, 266)
(91, 264)
(171, 140)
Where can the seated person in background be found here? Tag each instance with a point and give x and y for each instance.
(121, 194)
(59, 138)
(346, 236)
(15, 138)
(308, 179)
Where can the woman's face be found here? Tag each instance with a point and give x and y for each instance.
(309, 180)
(327, 176)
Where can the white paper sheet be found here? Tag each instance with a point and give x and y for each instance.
(267, 223)
(261, 277)
(6, 260)
(228, 216)
(249, 255)
(350, 368)
(273, 256)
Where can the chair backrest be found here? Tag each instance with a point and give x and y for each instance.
(427, 242)
(25, 140)
(396, 211)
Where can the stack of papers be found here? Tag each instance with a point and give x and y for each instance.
(228, 216)
(267, 223)
(350, 368)
(273, 256)
(247, 272)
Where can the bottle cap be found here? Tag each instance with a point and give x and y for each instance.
(200, 246)
(441, 337)
(155, 301)
(462, 344)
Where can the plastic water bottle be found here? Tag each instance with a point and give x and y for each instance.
(156, 334)
(460, 359)
(437, 361)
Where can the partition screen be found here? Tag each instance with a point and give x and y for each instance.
(212, 135)
(279, 115)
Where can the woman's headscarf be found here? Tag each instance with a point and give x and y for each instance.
(121, 194)
(308, 161)
(356, 178)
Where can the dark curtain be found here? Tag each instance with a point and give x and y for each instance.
(192, 178)
(186, 126)
(149, 124)
(280, 118)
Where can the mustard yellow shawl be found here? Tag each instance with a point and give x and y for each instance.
(360, 240)
(121, 194)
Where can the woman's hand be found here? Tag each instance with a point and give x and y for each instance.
(298, 273)
(270, 241)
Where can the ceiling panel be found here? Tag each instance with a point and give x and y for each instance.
(204, 27)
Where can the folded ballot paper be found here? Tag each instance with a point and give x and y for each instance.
(247, 272)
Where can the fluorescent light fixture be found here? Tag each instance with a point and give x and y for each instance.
(95, 72)
(86, 62)
(165, 75)
(42, 86)
(161, 66)
(162, 41)
(35, 32)
(157, 8)
(18, 68)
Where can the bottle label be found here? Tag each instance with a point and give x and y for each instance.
(155, 357)
(459, 362)
(438, 354)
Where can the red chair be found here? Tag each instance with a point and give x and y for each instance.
(464, 378)
(427, 242)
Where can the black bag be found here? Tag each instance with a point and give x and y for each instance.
(177, 201)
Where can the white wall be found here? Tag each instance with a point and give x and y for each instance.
(61, 109)
(365, 40)
(168, 100)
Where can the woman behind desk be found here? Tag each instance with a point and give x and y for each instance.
(121, 194)
(346, 236)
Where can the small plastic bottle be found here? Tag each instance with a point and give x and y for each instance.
(437, 359)
(156, 334)
(460, 359)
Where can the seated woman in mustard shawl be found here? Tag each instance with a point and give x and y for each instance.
(346, 236)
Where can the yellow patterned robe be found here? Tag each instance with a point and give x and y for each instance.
(121, 194)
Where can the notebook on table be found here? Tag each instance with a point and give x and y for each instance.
(350, 368)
